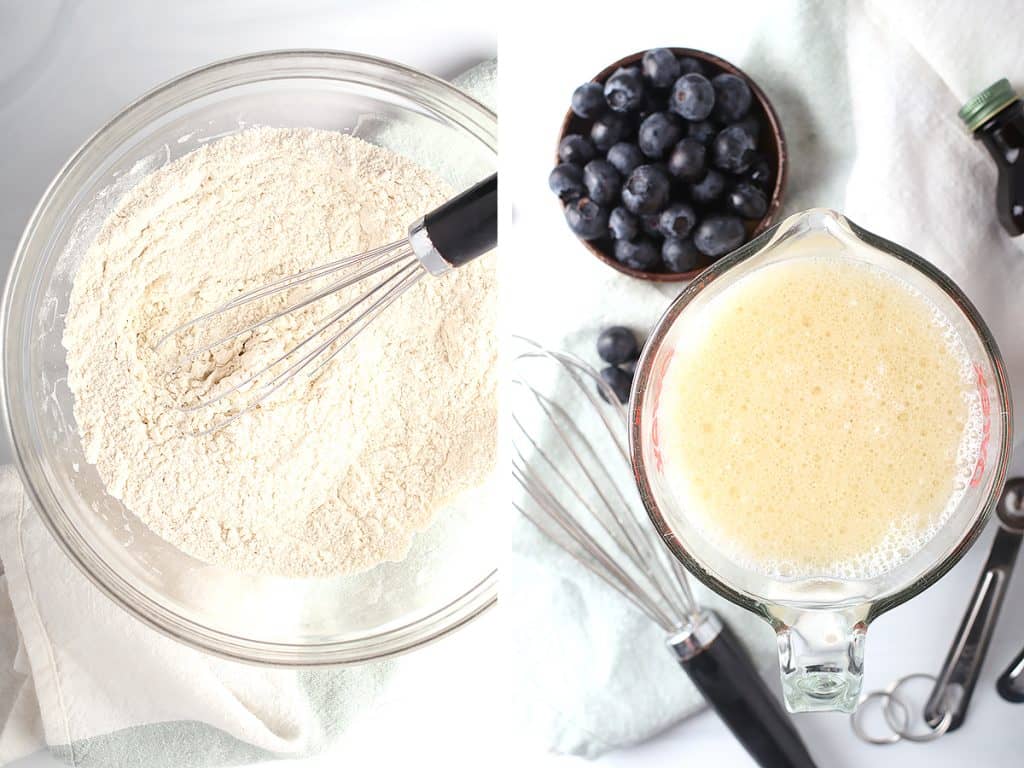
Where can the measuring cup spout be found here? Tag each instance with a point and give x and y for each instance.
(821, 659)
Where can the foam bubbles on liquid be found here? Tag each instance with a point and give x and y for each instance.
(825, 421)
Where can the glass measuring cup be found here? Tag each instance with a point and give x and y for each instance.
(821, 622)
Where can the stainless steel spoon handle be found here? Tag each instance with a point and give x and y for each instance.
(960, 671)
(1011, 683)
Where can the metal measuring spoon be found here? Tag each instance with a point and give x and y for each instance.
(955, 684)
(1011, 683)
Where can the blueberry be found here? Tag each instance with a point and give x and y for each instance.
(752, 126)
(617, 345)
(586, 219)
(677, 220)
(630, 367)
(652, 103)
(660, 67)
(692, 97)
(703, 131)
(732, 97)
(566, 181)
(588, 101)
(622, 224)
(708, 189)
(650, 225)
(658, 133)
(610, 129)
(620, 382)
(688, 160)
(602, 181)
(646, 190)
(688, 64)
(640, 254)
(680, 255)
(624, 90)
(717, 235)
(748, 201)
(760, 173)
(576, 149)
(625, 157)
(733, 149)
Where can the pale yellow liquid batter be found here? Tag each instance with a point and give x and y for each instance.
(818, 418)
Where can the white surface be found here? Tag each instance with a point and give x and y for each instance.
(100, 55)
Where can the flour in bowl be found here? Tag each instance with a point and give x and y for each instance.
(337, 471)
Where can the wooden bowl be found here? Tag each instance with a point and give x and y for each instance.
(771, 143)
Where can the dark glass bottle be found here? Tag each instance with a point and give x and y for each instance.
(996, 118)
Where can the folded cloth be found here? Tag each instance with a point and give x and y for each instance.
(867, 93)
(72, 663)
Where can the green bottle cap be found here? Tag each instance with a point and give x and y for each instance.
(980, 108)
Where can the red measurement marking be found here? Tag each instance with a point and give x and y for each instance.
(986, 407)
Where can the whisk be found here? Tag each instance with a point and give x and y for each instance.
(569, 459)
(448, 237)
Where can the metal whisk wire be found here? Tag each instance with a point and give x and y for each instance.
(611, 539)
(450, 236)
(347, 321)
(606, 531)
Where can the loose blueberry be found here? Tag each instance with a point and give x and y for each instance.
(646, 190)
(639, 254)
(602, 181)
(610, 129)
(617, 345)
(588, 101)
(566, 181)
(688, 160)
(630, 367)
(732, 97)
(622, 224)
(760, 173)
(619, 381)
(717, 235)
(708, 189)
(586, 219)
(677, 220)
(624, 90)
(660, 67)
(693, 97)
(688, 64)
(703, 131)
(576, 149)
(658, 133)
(625, 157)
(680, 255)
(733, 149)
(748, 201)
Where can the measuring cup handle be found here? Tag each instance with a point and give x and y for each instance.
(960, 671)
(722, 671)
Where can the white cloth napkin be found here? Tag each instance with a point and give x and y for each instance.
(867, 93)
(100, 688)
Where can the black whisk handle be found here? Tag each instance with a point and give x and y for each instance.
(722, 671)
(460, 230)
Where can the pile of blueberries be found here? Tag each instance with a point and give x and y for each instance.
(669, 168)
(618, 347)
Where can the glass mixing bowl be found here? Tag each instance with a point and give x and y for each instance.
(449, 576)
